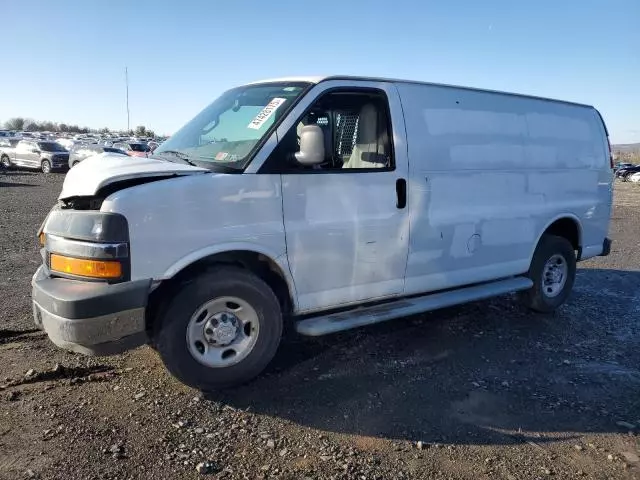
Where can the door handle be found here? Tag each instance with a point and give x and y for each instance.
(401, 193)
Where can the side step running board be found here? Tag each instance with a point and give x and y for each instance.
(359, 317)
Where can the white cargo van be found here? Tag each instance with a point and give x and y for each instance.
(327, 203)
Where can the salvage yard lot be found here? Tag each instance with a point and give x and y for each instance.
(489, 389)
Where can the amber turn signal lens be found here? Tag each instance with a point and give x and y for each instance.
(85, 268)
(42, 238)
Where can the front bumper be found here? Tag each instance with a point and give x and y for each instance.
(90, 317)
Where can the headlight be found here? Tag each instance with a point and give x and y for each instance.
(86, 244)
(87, 225)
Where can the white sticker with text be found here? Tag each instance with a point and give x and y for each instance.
(265, 113)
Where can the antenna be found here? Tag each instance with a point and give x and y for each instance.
(126, 79)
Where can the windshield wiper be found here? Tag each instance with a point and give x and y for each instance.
(208, 164)
(181, 155)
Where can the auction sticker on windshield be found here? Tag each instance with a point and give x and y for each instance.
(266, 113)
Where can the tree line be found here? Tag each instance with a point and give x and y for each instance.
(29, 125)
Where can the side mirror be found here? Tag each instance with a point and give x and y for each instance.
(35, 150)
(311, 146)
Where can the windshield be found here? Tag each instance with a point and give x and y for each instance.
(228, 130)
(51, 147)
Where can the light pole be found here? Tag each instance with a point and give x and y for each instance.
(126, 79)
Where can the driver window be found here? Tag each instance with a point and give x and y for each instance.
(356, 128)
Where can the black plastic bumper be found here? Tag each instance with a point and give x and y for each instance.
(91, 318)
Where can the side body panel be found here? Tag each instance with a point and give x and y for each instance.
(488, 173)
(24, 157)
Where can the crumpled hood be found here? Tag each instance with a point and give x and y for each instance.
(98, 171)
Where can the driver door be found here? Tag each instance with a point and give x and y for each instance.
(346, 228)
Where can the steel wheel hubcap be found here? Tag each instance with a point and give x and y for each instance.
(554, 275)
(222, 332)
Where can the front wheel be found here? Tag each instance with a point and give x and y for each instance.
(5, 162)
(220, 330)
(45, 166)
(553, 271)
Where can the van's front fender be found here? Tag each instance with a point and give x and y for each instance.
(277, 258)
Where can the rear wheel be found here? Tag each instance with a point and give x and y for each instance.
(220, 330)
(553, 271)
(45, 166)
(5, 161)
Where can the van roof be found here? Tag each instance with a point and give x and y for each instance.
(317, 79)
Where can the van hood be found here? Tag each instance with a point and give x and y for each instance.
(98, 171)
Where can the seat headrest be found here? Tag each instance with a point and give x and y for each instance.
(367, 125)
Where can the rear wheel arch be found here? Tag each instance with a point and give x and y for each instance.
(566, 226)
(261, 265)
(552, 271)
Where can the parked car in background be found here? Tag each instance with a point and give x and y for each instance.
(152, 146)
(80, 152)
(620, 165)
(634, 177)
(624, 173)
(134, 149)
(7, 144)
(40, 155)
(66, 142)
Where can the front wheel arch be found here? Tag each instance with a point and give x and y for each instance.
(263, 266)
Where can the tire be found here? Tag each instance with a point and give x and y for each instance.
(547, 297)
(196, 309)
(6, 162)
(45, 166)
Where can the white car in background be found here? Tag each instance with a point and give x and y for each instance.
(65, 142)
(635, 178)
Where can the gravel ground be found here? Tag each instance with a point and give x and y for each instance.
(486, 390)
